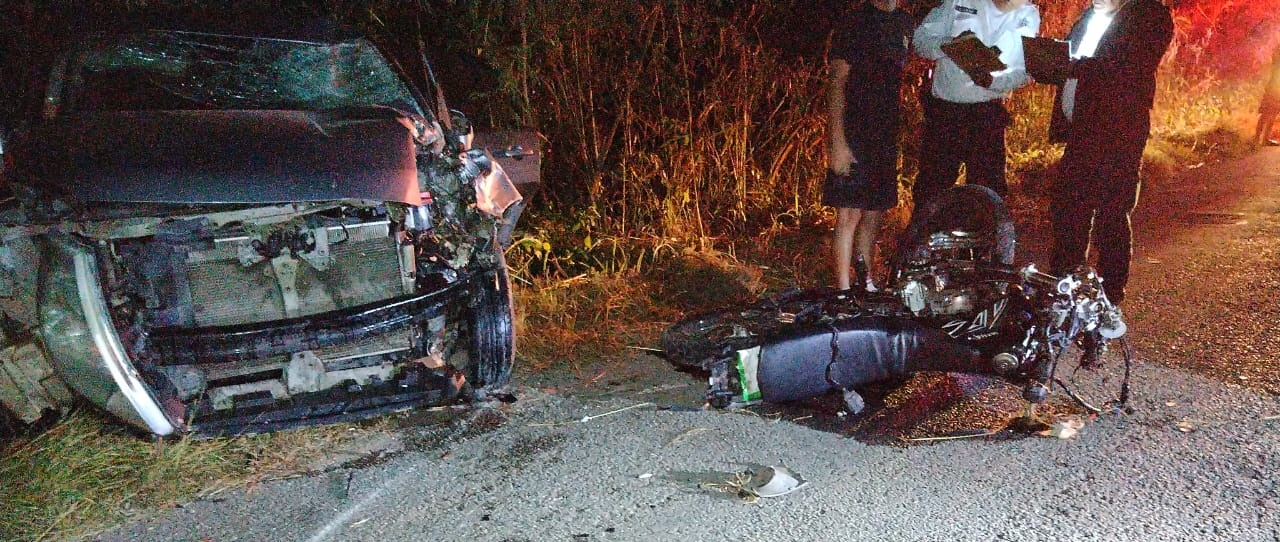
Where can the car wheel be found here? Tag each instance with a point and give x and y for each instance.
(492, 332)
(967, 222)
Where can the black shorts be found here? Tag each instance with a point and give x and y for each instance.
(881, 193)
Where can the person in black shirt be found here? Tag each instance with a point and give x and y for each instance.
(866, 72)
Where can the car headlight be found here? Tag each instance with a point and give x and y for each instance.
(81, 340)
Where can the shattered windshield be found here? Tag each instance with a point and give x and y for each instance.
(181, 70)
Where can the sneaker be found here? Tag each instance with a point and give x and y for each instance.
(860, 271)
(871, 286)
(1272, 143)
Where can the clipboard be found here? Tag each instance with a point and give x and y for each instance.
(1047, 59)
(973, 56)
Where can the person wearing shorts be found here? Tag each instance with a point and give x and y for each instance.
(868, 53)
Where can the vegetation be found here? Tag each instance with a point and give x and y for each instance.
(84, 473)
(684, 148)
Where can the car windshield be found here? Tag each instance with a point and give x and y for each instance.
(164, 70)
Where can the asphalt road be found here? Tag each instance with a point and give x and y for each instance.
(1197, 460)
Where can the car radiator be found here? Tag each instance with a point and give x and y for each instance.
(363, 266)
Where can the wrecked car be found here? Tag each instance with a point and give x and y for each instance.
(222, 231)
(955, 303)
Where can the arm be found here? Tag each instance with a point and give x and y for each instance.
(839, 154)
(934, 31)
(1138, 51)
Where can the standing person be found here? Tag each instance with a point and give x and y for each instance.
(862, 101)
(1270, 106)
(1103, 114)
(964, 115)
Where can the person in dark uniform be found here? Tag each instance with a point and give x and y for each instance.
(866, 73)
(1270, 106)
(1103, 114)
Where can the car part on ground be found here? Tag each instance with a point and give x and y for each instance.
(954, 304)
(218, 234)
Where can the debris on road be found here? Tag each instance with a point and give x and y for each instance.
(611, 412)
(773, 482)
(686, 433)
(762, 481)
(593, 416)
(1064, 429)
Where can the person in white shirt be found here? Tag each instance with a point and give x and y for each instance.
(964, 114)
(1103, 114)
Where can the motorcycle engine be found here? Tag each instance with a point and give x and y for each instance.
(932, 292)
(933, 283)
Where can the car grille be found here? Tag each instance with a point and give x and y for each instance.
(365, 269)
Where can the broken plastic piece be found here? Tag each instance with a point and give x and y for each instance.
(774, 482)
(853, 401)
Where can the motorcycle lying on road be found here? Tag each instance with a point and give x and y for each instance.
(954, 303)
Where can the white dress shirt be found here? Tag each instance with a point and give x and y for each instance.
(1093, 31)
(993, 27)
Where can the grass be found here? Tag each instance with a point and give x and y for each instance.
(84, 474)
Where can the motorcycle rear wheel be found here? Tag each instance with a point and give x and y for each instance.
(967, 222)
(701, 339)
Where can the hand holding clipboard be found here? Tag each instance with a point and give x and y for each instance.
(1048, 59)
(974, 57)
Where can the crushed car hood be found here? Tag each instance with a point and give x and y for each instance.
(223, 156)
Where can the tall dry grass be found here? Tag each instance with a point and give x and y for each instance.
(682, 122)
(84, 474)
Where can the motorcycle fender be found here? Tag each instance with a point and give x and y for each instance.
(810, 361)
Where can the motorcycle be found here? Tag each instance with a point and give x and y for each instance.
(954, 303)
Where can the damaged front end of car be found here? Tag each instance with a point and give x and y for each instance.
(237, 266)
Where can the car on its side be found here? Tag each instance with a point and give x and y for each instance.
(236, 230)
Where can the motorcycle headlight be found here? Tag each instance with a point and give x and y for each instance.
(81, 340)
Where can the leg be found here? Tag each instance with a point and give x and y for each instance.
(1114, 231)
(985, 161)
(1071, 211)
(868, 230)
(940, 147)
(846, 224)
(1262, 131)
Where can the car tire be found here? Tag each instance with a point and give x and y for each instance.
(493, 345)
(971, 208)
